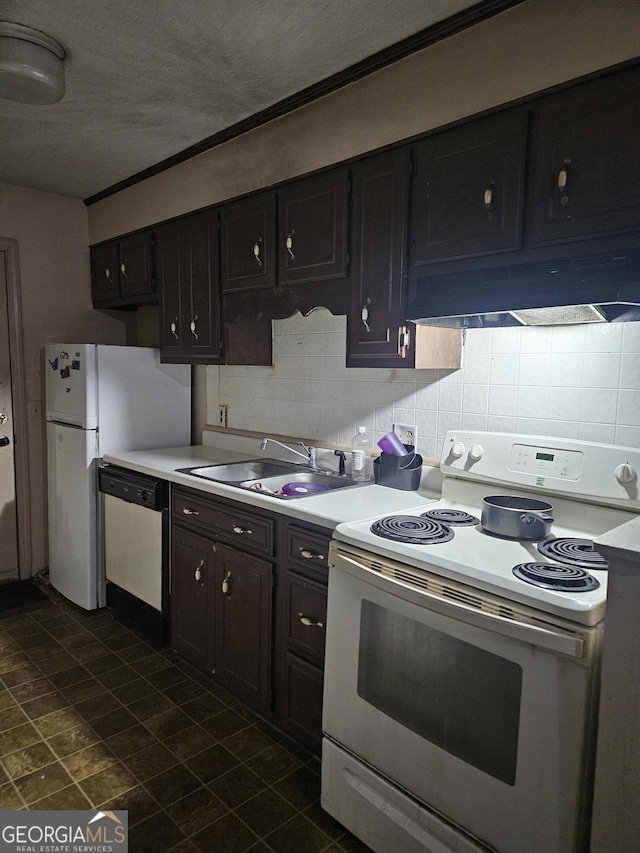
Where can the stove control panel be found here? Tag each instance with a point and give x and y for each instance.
(546, 461)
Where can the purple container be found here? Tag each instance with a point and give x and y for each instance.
(294, 490)
(391, 444)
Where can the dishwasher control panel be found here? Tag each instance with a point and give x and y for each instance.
(132, 487)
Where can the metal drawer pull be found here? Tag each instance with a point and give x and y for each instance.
(309, 555)
(309, 623)
(225, 584)
(173, 328)
(365, 317)
(192, 326)
(238, 529)
(289, 243)
(256, 252)
(187, 511)
(563, 181)
(198, 574)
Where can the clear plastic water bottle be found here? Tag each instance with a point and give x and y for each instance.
(360, 459)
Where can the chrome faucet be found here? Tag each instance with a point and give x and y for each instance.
(311, 453)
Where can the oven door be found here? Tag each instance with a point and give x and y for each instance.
(485, 718)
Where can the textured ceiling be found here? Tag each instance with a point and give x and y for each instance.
(146, 79)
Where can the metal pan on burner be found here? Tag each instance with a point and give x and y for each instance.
(515, 517)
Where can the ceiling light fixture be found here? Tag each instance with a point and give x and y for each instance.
(31, 65)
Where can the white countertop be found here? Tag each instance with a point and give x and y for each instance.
(326, 509)
(621, 543)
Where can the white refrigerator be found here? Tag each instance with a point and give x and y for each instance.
(101, 399)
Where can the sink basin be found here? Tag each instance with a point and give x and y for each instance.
(270, 476)
(236, 472)
(303, 484)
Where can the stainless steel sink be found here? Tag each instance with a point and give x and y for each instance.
(236, 472)
(270, 476)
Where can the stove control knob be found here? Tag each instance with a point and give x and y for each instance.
(625, 473)
(476, 452)
(457, 449)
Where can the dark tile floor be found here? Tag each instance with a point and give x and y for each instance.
(91, 715)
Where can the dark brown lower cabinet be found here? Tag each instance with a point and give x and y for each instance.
(249, 606)
(242, 649)
(192, 582)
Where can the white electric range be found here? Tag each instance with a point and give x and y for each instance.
(461, 696)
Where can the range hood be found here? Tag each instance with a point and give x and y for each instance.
(597, 288)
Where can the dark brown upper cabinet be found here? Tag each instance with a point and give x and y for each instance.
(467, 189)
(248, 243)
(187, 274)
(380, 206)
(122, 272)
(312, 228)
(586, 176)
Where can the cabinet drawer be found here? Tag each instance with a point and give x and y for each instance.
(224, 521)
(308, 550)
(306, 615)
(304, 700)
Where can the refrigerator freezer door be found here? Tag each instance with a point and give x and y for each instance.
(70, 371)
(73, 551)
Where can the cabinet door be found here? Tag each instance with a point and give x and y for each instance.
(104, 273)
(312, 228)
(186, 272)
(169, 276)
(135, 268)
(200, 267)
(467, 189)
(376, 322)
(243, 625)
(192, 584)
(247, 239)
(586, 179)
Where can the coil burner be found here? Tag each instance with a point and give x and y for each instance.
(411, 528)
(559, 578)
(575, 552)
(451, 517)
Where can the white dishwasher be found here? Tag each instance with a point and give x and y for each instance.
(136, 549)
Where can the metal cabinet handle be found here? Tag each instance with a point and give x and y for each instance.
(489, 199)
(107, 274)
(310, 555)
(238, 529)
(562, 181)
(289, 243)
(365, 317)
(225, 584)
(256, 252)
(198, 574)
(187, 511)
(173, 326)
(123, 269)
(309, 623)
(192, 326)
(404, 339)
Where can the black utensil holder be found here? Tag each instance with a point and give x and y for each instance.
(398, 472)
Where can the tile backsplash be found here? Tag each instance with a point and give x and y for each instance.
(568, 381)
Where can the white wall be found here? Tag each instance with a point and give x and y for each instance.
(568, 381)
(55, 296)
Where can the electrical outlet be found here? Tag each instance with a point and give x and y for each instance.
(222, 415)
(407, 433)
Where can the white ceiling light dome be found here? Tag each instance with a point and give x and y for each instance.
(31, 65)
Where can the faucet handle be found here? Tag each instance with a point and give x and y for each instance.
(341, 464)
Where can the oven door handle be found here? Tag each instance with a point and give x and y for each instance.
(558, 641)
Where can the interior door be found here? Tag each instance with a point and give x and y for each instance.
(8, 513)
